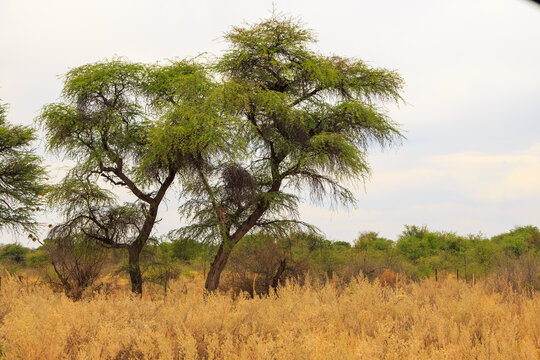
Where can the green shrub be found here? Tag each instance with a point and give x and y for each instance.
(519, 240)
(37, 259)
(14, 253)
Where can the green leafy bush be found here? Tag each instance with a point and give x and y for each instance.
(14, 253)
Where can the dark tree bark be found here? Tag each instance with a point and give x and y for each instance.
(216, 268)
(135, 249)
(225, 248)
(277, 276)
(134, 269)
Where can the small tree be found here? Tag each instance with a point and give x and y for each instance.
(134, 127)
(77, 261)
(22, 177)
(255, 262)
(307, 121)
(162, 268)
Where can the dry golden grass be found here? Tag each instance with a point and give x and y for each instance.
(428, 320)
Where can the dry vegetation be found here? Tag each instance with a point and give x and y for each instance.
(362, 320)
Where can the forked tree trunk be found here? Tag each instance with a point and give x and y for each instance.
(134, 250)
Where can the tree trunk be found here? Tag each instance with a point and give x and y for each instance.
(226, 246)
(217, 266)
(136, 247)
(279, 272)
(134, 269)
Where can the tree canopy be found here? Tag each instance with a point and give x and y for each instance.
(22, 177)
(133, 126)
(307, 121)
(247, 136)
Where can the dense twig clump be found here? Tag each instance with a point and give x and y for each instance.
(240, 187)
(77, 263)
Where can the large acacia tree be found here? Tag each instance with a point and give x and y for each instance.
(22, 177)
(306, 120)
(134, 127)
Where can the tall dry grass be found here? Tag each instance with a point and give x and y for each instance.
(362, 320)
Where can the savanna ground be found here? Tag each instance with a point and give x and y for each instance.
(448, 319)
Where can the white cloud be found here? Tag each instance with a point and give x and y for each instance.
(493, 177)
(479, 176)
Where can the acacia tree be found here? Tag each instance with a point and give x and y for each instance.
(22, 177)
(128, 126)
(307, 121)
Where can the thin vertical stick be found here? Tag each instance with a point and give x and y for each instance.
(472, 279)
(254, 279)
(397, 281)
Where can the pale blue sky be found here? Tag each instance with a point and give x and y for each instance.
(471, 161)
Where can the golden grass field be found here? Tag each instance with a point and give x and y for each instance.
(427, 320)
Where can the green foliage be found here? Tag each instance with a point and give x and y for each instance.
(328, 260)
(306, 122)
(185, 249)
(22, 177)
(135, 126)
(148, 117)
(416, 243)
(14, 253)
(419, 253)
(341, 245)
(313, 241)
(261, 251)
(37, 259)
(519, 240)
(162, 268)
(371, 240)
(307, 119)
(258, 258)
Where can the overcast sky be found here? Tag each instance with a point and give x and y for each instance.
(471, 161)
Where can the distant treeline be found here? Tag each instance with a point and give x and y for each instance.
(261, 262)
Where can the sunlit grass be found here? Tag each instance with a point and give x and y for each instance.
(427, 320)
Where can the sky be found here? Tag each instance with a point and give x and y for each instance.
(471, 159)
